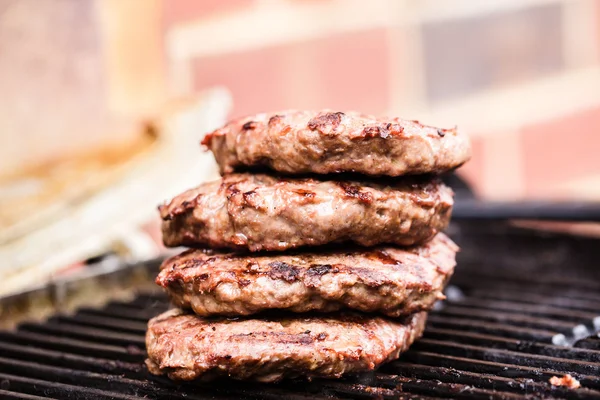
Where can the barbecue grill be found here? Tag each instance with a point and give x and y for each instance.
(523, 306)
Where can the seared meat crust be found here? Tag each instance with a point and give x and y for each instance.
(325, 142)
(263, 212)
(388, 280)
(187, 347)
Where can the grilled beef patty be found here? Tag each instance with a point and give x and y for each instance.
(263, 212)
(187, 347)
(327, 142)
(388, 280)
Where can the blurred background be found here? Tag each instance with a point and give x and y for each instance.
(103, 102)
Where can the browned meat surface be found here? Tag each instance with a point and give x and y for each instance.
(187, 347)
(389, 280)
(329, 142)
(263, 212)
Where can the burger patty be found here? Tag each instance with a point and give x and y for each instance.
(388, 280)
(187, 347)
(263, 212)
(329, 142)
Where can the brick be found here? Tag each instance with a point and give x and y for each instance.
(503, 166)
(346, 71)
(256, 79)
(597, 23)
(181, 11)
(559, 151)
(473, 171)
(311, 1)
(467, 55)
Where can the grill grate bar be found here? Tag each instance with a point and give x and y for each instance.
(498, 342)
(471, 325)
(509, 318)
(559, 284)
(541, 310)
(131, 327)
(437, 387)
(591, 343)
(482, 381)
(72, 345)
(56, 358)
(106, 382)
(291, 390)
(507, 356)
(433, 361)
(61, 390)
(7, 395)
(85, 333)
(364, 391)
(524, 296)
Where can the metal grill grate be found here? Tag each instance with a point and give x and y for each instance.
(504, 331)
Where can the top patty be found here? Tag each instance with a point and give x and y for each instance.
(187, 347)
(329, 142)
(262, 212)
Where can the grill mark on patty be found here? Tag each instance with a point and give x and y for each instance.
(252, 267)
(250, 198)
(305, 193)
(180, 209)
(320, 270)
(426, 197)
(354, 191)
(283, 270)
(313, 275)
(230, 189)
(381, 130)
(275, 119)
(326, 123)
(244, 282)
(302, 338)
(196, 263)
(384, 257)
(371, 132)
(249, 125)
(202, 277)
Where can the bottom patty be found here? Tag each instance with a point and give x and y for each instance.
(389, 280)
(185, 346)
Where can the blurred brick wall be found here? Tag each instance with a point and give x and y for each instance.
(521, 76)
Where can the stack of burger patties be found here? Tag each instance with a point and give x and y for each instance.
(322, 264)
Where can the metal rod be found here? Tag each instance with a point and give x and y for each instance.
(545, 210)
